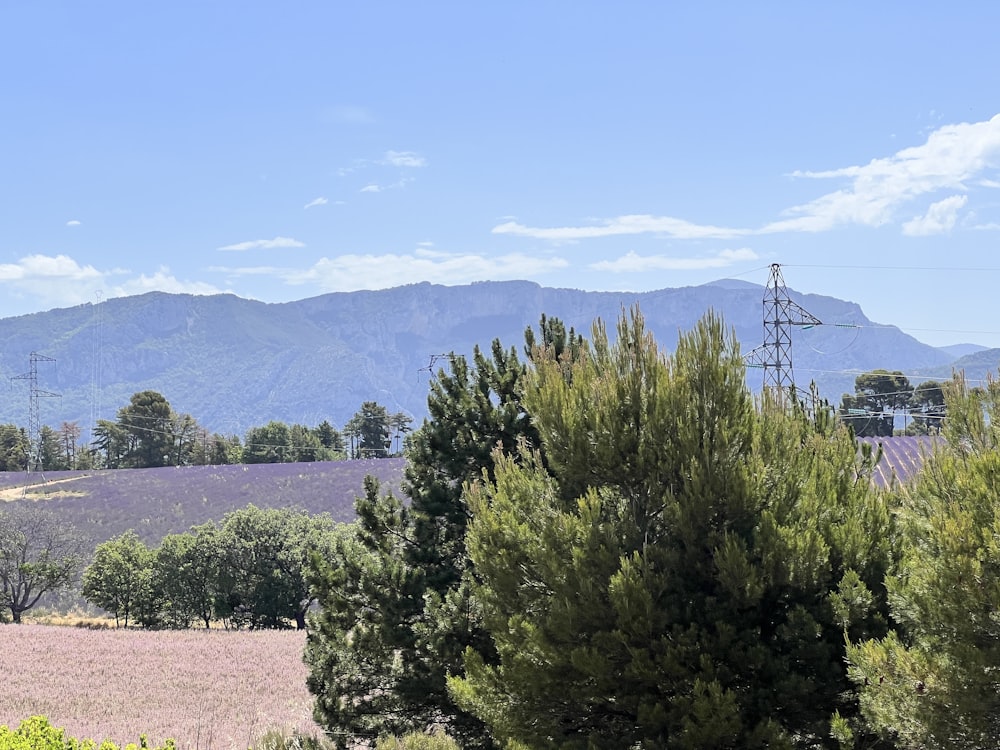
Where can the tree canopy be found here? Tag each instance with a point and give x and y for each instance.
(676, 567)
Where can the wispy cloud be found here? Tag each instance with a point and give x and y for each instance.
(162, 281)
(321, 201)
(349, 114)
(374, 187)
(940, 217)
(667, 226)
(632, 262)
(955, 158)
(952, 157)
(73, 223)
(277, 242)
(404, 159)
(351, 272)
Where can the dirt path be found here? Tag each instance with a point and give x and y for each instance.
(33, 490)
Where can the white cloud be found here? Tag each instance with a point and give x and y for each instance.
(351, 272)
(404, 159)
(321, 201)
(952, 157)
(162, 281)
(73, 223)
(47, 268)
(277, 242)
(940, 217)
(370, 189)
(632, 262)
(624, 225)
(43, 282)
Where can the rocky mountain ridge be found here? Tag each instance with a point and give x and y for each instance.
(234, 363)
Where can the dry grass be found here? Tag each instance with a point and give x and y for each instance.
(216, 690)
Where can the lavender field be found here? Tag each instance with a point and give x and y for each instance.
(206, 689)
(156, 502)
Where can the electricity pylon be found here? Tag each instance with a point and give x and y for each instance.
(780, 316)
(34, 422)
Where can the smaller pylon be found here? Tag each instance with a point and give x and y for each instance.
(34, 421)
(781, 314)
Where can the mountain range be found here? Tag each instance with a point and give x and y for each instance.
(234, 363)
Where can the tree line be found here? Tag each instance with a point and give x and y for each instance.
(248, 571)
(148, 433)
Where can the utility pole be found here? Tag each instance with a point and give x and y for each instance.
(780, 316)
(34, 422)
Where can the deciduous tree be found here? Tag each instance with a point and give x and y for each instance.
(120, 579)
(39, 553)
(262, 574)
(270, 444)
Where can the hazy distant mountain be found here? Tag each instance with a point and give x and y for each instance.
(234, 363)
(979, 365)
(961, 350)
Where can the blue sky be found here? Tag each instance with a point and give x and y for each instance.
(281, 151)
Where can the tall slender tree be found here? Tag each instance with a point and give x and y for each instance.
(395, 608)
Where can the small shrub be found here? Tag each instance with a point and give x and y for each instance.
(418, 741)
(37, 734)
(278, 740)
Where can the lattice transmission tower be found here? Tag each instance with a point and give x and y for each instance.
(781, 315)
(34, 421)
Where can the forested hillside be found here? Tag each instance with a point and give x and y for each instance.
(235, 363)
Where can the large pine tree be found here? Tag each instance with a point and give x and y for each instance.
(679, 565)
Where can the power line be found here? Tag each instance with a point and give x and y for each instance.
(936, 269)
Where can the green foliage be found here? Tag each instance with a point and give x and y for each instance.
(36, 733)
(927, 409)
(147, 433)
(370, 427)
(39, 553)
(277, 740)
(277, 442)
(185, 575)
(263, 556)
(932, 682)
(418, 741)
(878, 395)
(270, 444)
(396, 607)
(675, 567)
(120, 579)
(13, 448)
(250, 572)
